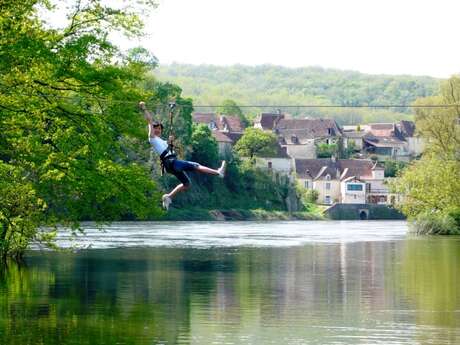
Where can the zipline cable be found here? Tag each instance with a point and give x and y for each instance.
(184, 106)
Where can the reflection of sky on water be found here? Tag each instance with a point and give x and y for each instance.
(232, 234)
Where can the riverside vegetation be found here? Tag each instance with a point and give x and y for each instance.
(431, 186)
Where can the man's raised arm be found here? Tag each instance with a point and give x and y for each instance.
(147, 114)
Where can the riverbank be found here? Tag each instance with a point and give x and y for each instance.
(199, 214)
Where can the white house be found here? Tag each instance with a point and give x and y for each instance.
(280, 163)
(353, 191)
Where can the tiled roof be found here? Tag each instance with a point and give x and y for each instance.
(205, 118)
(339, 169)
(354, 134)
(355, 167)
(407, 128)
(382, 129)
(387, 141)
(221, 137)
(234, 123)
(234, 136)
(314, 168)
(222, 122)
(300, 130)
(268, 120)
(352, 178)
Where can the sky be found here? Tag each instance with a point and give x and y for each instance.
(371, 36)
(417, 37)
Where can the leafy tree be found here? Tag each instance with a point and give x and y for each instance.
(440, 126)
(431, 186)
(393, 168)
(204, 146)
(256, 142)
(324, 150)
(229, 107)
(350, 150)
(64, 111)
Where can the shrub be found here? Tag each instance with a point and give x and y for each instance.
(435, 224)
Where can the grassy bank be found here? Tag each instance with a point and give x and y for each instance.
(199, 214)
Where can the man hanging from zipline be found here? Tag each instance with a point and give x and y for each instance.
(169, 161)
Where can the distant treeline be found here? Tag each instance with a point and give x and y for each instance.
(276, 85)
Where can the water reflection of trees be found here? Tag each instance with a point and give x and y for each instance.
(430, 280)
(145, 296)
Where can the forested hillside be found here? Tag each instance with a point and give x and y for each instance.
(276, 85)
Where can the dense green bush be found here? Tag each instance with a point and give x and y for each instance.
(435, 223)
(324, 150)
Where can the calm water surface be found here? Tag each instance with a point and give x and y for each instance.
(236, 283)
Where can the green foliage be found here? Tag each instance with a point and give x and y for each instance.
(276, 85)
(435, 223)
(307, 196)
(229, 107)
(244, 187)
(311, 196)
(63, 129)
(256, 142)
(324, 150)
(393, 168)
(431, 186)
(204, 146)
(441, 126)
(350, 150)
(162, 94)
(21, 211)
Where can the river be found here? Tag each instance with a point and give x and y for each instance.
(327, 282)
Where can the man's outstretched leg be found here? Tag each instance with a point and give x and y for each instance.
(205, 170)
(185, 185)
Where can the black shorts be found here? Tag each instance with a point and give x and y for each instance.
(178, 168)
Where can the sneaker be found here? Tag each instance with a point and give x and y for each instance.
(166, 201)
(221, 170)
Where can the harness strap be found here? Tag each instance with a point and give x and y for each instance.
(166, 154)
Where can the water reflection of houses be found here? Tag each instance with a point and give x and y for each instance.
(342, 282)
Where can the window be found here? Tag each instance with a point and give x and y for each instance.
(328, 177)
(212, 125)
(327, 199)
(307, 184)
(328, 185)
(270, 165)
(354, 187)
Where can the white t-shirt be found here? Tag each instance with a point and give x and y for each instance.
(158, 144)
